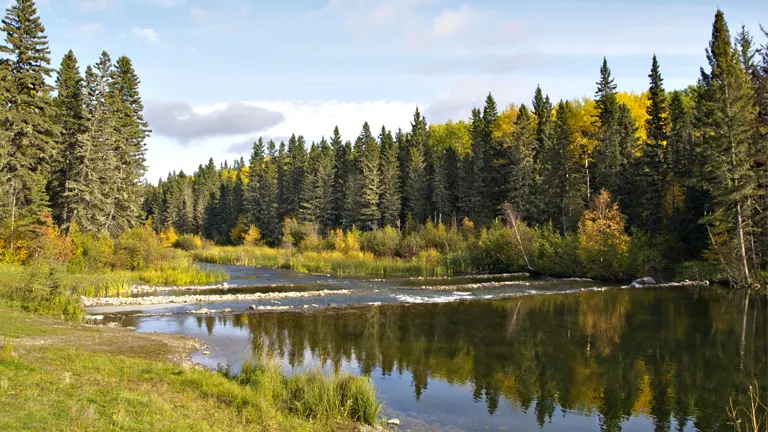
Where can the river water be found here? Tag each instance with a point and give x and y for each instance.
(505, 353)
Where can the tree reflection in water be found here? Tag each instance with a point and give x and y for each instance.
(674, 354)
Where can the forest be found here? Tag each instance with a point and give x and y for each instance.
(609, 187)
(686, 169)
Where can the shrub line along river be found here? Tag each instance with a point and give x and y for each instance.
(503, 352)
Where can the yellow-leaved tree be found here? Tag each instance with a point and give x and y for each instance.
(169, 236)
(603, 240)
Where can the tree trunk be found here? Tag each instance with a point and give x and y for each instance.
(742, 247)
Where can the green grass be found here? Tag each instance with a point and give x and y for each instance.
(352, 264)
(312, 395)
(60, 376)
(49, 289)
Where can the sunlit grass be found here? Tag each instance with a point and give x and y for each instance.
(89, 378)
(428, 263)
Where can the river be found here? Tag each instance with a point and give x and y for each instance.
(498, 353)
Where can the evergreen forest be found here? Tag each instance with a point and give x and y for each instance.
(662, 178)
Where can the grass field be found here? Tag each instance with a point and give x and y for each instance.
(56, 375)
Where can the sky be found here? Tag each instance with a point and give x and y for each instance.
(216, 75)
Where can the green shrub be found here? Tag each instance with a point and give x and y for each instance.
(189, 242)
(139, 248)
(381, 242)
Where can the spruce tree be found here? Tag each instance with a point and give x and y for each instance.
(29, 117)
(340, 177)
(309, 196)
(254, 204)
(268, 219)
(657, 130)
(71, 116)
(390, 179)
(130, 150)
(727, 115)
(326, 171)
(544, 112)
(370, 190)
(491, 176)
(521, 173)
(414, 165)
(609, 160)
(562, 173)
(475, 204)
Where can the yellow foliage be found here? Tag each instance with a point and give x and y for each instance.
(238, 232)
(638, 106)
(451, 134)
(348, 243)
(582, 123)
(169, 236)
(505, 125)
(603, 241)
(253, 236)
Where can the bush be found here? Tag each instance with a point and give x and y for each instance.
(603, 241)
(169, 236)
(252, 237)
(381, 242)
(139, 248)
(189, 242)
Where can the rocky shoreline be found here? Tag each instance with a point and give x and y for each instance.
(222, 286)
(157, 300)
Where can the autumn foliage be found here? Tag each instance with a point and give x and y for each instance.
(603, 240)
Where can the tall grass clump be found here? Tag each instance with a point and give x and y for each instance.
(312, 395)
(750, 418)
(41, 289)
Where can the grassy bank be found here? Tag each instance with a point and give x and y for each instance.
(325, 261)
(56, 375)
(49, 288)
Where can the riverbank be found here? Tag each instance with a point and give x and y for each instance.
(55, 375)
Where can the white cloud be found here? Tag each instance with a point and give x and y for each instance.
(187, 124)
(89, 29)
(148, 34)
(313, 120)
(451, 22)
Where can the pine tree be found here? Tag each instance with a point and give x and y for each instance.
(132, 132)
(369, 162)
(562, 172)
(326, 171)
(436, 183)
(268, 219)
(283, 182)
(475, 204)
(725, 105)
(340, 177)
(657, 129)
(205, 184)
(254, 204)
(491, 176)
(29, 117)
(352, 187)
(521, 173)
(71, 115)
(544, 112)
(390, 179)
(609, 161)
(309, 206)
(414, 165)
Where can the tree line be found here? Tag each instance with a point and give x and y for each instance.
(72, 152)
(688, 166)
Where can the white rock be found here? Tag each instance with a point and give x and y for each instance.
(394, 422)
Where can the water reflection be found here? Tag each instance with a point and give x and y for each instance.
(626, 359)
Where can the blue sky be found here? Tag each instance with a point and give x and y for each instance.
(217, 74)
